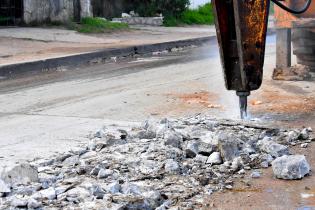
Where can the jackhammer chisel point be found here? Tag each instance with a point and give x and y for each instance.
(243, 102)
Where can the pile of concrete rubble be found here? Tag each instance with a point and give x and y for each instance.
(171, 164)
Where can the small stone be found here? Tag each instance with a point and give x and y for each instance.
(304, 135)
(97, 191)
(264, 164)
(172, 138)
(247, 168)
(104, 173)
(292, 136)
(49, 193)
(113, 188)
(228, 146)
(71, 161)
(255, 174)
(19, 174)
(131, 189)
(272, 148)
(77, 193)
(201, 159)
(205, 148)
(153, 198)
(215, 159)
(191, 149)
(305, 145)
(171, 166)
(33, 204)
(18, 202)
(229, 187)
(290, 167)
(241, 172)
(236, 164)
(149, 167)
(4, 187)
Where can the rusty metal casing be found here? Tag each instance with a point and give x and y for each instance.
(241, 31)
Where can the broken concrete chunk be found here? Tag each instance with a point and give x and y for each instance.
(130, 188)
(113, 188)
(18, 202)
(205, 148)
(149, 167)
(173, 138)
(290, 167)
(48, 194)
(201, 159)
(272, 148)
(304, 135)
(33, 204)
(71, 161)
(215, 159)
(4, 188)
(19, 174)
(191, 149)
(228, 146)
(104, 173)
(171, 166)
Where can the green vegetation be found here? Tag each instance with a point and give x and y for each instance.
(98, 25)
(201, 16)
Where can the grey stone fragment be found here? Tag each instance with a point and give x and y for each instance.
(33, 204)
(77, 193)
(201, 159)
(205, 148)
(104, 173)
(255, 174)
(215, 159)
(304, 135)
(171, 166)
(228, 146)
(113, 188)
(153, 198)
(19, 174)
(173, 138)
(191, 149)
(149, 167)
(274, 149)
(97, 191)
(71, 161)
(131, 189)
(290, 167)
(49, 193)
(4, 188)
(18, 202)
(292, 136)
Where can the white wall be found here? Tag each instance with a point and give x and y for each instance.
(196, 3)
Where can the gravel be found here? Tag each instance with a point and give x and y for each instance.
(166, 164)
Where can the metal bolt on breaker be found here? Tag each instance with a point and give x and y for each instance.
(241, 31)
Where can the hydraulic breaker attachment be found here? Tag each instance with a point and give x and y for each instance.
(241, 31)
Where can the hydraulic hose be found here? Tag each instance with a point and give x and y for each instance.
(282, 6)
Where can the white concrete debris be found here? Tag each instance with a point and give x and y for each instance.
(291, 167)
(19, 174)
(4, 188)
(167, 164)
(215, 158)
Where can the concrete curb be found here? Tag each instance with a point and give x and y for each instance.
(85, 58)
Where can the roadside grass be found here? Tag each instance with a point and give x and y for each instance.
(98, 25)
(203, 15)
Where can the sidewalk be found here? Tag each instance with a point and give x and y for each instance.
(18, 45)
